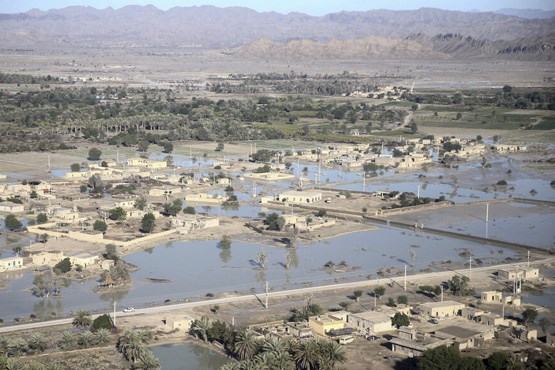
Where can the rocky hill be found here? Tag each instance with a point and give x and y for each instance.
(415, 46)
(371, 32)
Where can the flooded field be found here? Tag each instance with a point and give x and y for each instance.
(194, 356)
(189, 270)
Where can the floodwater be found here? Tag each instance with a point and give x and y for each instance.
(194, 268)
(188, 356)
(527, 224)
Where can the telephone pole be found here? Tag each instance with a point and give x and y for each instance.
(405, 277)
(266, 295)
(114, 313)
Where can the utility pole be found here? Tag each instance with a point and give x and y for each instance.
(49, 165)
(114, 313)
(254, 189)
(233, 317)
(487, 212)
(528, 259)
(469, 266)
(405, 277)
(441, 286)
(117, 155)
(363, 181)
(418, 192)
(266, 295)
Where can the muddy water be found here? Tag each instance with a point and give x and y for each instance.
(189, 356)
(194, 268)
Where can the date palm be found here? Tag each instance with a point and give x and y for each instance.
(13, 364)
(86, 339)
(246, 345)
(102, 336)
(68, 341)
(82, 319)
(331, 353)
(37, 342)
(306, 355)
(147, 361)
(200, 328)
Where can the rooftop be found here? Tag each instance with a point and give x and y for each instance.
(373, 316)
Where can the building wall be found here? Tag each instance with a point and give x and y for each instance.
(13, 263)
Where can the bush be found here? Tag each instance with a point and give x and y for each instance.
(94, 154)
(102, 322)
(42, 218)
(63, 266)
(100, 225)
(189, 210)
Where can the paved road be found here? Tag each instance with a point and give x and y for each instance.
(283, 293)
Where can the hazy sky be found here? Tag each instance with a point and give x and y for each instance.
(313, 7)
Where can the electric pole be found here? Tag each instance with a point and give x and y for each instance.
(266, 295)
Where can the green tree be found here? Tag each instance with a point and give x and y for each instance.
(75, 167)
(33, 195)
(379, 291)
(42, 218)
(529, 315)
(400, 319)
(100, 225)
(83, 188)
(321, 213)
(172, 209)
(12, 223)
(102, 322)
(63, 266)
(458, 285)
(142, 146)
(199, 328)
(140, 203)
(68, 341)
(82, 319)
(94, 154)
(148, 223)
(111, 252)
(391, 302)
(189, 210)
(225, 242)
(413, 126)
(95, 184)
(132, 344)
(402, 299)
(357, 294)
(497, 361)
(102, 333)
(442, 358)
(544, 323)
(168, 147)
(117, 214)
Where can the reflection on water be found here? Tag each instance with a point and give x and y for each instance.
(188, 356)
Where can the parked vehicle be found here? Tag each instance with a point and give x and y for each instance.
(129, 309)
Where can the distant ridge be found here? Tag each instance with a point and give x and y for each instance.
(212, 27)
(527, 13)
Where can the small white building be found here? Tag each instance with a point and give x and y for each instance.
(299, 197)
(370, 321)
(11, 263)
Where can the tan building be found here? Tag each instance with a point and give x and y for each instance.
(83, 259)
(529, 273)
(11, 263)
(470, 336)
(491, 296)
(370, 322)
(442, 309)
(324, 323)
(147, 163)
(178, 322)
(47, 258)
(11, 207)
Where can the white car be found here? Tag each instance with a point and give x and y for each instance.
(129, 309)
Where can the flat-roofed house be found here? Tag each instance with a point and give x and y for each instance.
(442, 309)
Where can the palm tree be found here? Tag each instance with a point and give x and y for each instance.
(274, 345)
(147, 361)
(102, 336)
(246, 345)
(3, 346)
(305, 354)
(330, 354)
(37, 342)
(86, 339)
(82, 319)
(131, 344)
(17, 346)
(13, 364)
(200, 328)
(68, 341)
(35, 366)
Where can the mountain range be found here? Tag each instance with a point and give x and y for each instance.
(242, 31)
